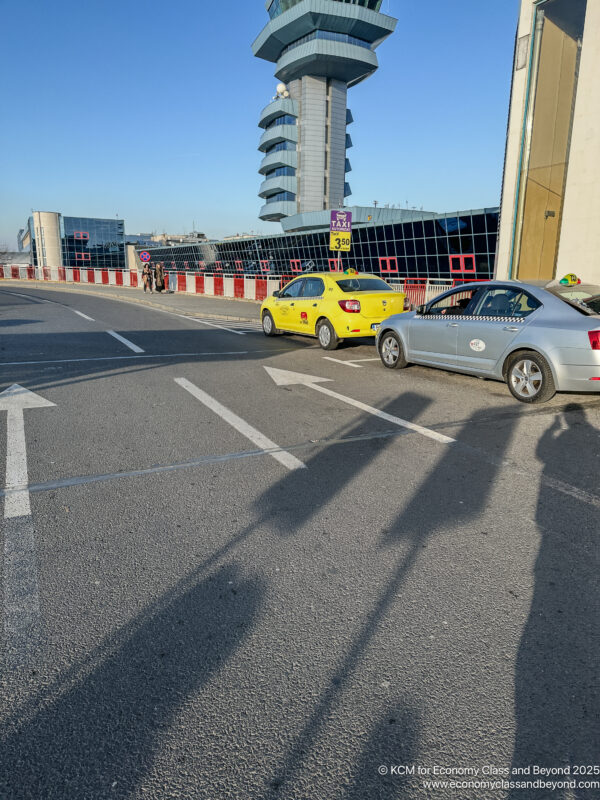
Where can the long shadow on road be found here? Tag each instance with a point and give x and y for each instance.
(557, 699)
(455, 492)
(103, 723)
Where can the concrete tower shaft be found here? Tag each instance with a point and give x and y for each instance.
(320, 49)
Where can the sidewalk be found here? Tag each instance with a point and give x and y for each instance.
(190, 305)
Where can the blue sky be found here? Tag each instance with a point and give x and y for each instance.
(148, 110)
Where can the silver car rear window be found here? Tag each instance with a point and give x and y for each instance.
(585, 297)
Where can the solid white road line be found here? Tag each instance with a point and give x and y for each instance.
(81, 314)
(283, 377)
(210, 324)
(256, 437)
(22, 620)
(126, 342)
(339, 361)
(136, 357)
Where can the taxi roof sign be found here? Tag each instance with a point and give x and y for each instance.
(570, 280)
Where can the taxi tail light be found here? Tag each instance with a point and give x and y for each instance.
(351, 306)
(406, 303)
(594, 339)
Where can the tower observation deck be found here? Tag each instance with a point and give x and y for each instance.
(320, 48)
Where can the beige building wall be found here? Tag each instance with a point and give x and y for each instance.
(579, 249)
(552, 162)
(47, 238)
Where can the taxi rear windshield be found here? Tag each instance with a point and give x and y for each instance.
(585, 297)
(364, 285)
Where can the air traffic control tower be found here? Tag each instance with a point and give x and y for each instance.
(321, 48)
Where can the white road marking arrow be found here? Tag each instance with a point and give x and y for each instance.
(283, 377)
(15, 400)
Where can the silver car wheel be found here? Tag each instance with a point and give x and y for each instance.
(324, 336)
(390, 350)
(267, 323)
(526, 378)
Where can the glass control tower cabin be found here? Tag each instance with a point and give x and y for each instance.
(320, 48)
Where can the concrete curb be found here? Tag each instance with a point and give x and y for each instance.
(139, 300)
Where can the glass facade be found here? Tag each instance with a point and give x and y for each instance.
(277, 148)
(281, 172)
(461, 246)
(281, 197)
(285, 119)
(93, 243)
(330, 36)
(277, 7)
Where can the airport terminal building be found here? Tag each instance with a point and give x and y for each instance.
(418, 245)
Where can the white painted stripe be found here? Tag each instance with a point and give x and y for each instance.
(437, 437)
(210, 324)
(129, 358)
(22, 620)
(249, 289)
(16, 503)
(256, 437)
(81, 314)
(339, 361)
(126, 342)
(228, 287)
(360, 360)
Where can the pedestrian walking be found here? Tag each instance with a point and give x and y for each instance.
(147, 277)
(159, 277)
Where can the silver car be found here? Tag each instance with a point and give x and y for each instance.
(537, 339)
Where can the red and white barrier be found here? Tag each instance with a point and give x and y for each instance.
(241, 287)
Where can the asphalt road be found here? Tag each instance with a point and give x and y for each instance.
(234, 585)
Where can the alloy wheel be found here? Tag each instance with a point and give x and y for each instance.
(526, 378)
(390, 350)
(324, 335)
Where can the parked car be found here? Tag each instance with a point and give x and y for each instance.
(332, 307)
(537, 339)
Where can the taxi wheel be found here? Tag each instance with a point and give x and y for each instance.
(268, 325)
(529, 378)
(391, 351)
(328, 338)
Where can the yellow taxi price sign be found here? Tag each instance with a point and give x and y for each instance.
(340, 241)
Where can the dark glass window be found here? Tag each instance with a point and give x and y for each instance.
(313, 287)
(331, 36)
(363, 285)
(281, 172)
(286, 119)
(293, 289)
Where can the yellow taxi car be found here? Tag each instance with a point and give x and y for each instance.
(331, 306)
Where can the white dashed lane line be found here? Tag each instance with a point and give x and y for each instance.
(126, 342)
(267, 446)
(84, 316)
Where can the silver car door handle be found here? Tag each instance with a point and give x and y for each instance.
(511, 328)
(453, 325)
